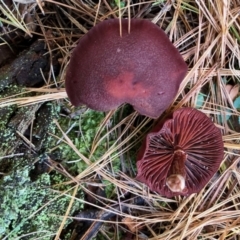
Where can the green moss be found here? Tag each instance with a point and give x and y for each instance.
(82, 135)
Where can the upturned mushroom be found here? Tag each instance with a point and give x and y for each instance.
(142, 68)
(180, 155)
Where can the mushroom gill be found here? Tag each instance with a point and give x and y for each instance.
(179, 156)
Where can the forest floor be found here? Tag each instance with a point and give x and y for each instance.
(69, 172)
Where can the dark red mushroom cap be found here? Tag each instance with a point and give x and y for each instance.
(142, 68)
(180, 155)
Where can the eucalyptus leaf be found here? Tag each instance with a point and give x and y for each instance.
(225, 117)
(236, 103)
(200, 100)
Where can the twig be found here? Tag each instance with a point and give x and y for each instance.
(102, 215)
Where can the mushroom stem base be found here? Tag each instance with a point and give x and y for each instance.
(176, 175)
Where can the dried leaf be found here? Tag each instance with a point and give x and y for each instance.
(228, 88)
(132, 224)
(232, 90)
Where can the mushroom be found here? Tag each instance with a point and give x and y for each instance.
(180, 155)
(141, 68)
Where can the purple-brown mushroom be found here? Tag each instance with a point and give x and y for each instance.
(141, 68)
(180, 155)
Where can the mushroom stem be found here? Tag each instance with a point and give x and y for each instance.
(176, 176)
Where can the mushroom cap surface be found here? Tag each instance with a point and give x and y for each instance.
(187, 131)
(142, 68)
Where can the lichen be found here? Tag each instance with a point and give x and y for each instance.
(31, 208)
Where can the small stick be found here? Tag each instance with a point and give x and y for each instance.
(129, 18)
(120, 18)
